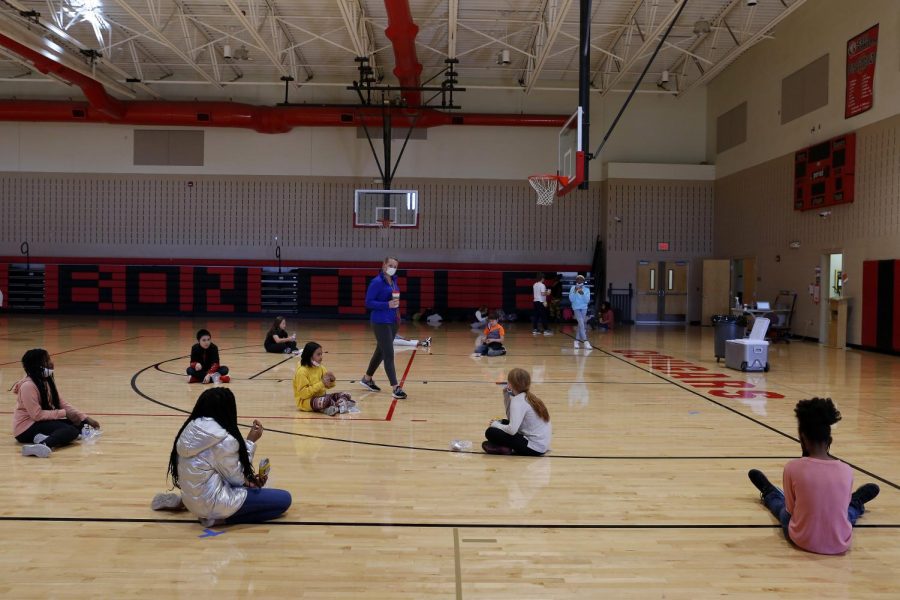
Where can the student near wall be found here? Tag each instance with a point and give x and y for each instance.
(580, 298)
(211, 463)
(539, 315)
(816, 509)
(383, 299)
(277, 339)
(205, 367)
(526, 429)
(42, 419)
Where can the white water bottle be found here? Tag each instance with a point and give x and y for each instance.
(87, 432)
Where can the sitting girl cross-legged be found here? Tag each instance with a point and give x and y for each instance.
(311, 382)
(527, 429)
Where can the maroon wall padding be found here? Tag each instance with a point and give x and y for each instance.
(870, 303)
(881, 305)
(4, 284)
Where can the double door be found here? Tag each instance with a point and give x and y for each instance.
(662, 291)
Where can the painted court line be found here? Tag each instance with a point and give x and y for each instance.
(17, 362)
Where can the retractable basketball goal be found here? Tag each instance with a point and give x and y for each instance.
(570, 165)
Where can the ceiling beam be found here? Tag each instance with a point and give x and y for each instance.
(257, 38)
(452, 14)
(740, 49)
(716, 23)
(357, 28)
(641, 52)
(160, 38)
(552, 16)
(608, 53)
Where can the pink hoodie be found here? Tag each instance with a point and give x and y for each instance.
(28, 408)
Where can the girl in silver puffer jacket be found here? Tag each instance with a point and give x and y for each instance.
(212, 465)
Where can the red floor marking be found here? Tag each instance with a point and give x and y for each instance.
(408, 365)
(391, 410)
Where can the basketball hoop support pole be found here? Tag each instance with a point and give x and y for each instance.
(584, 82)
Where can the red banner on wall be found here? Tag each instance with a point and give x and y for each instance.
(861, 51)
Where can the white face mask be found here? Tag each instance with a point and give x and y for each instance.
(315, 364)
(48, 372)
(391, 271)
(579, 285)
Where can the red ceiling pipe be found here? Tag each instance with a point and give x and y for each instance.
(402, 32)
(263, 119)
(93, 89)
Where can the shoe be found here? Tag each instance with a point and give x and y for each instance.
(215, 378)
(169, 501)
(426, 343)
(39, 438)
(369, 385)
(287, 351)
(194, 379)
(577, 344)
(39, 450)
(587, 345)
(535, 332)
(398, 393)
(225, 378)
(295, 352)
(548, 332)
(865, 493)
(490, 448)
(208, 522)
(761, 482)
(332, 410)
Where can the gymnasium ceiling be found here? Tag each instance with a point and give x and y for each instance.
(172, 49)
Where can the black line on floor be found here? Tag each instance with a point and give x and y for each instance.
(388, 524)
(281, 362)
(16, 362)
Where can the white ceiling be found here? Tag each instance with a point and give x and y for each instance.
(172, 46)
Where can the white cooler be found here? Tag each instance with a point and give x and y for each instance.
(751, 353)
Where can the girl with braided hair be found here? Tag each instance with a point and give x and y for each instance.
(816, 510)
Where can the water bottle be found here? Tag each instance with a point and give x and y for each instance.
(460, 445)
(87, 432)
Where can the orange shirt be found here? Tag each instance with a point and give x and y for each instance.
(494, 332)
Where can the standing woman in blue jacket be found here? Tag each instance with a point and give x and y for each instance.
(383, 299)
(580, 297)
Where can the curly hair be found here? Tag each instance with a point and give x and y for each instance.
(815, 418)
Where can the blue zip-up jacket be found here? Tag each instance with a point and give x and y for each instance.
(579, 301)
(377, 297)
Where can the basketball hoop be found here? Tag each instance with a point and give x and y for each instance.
(546, 187)
(385, 223)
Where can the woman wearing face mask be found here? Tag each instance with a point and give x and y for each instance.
(580, 297)
(311, 382)
(42, 419)
(383, 299)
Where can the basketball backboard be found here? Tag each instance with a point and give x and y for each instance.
(571, 154)
(372, 208)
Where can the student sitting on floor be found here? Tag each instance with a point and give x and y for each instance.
(816, 510)
(399, 340)
(311, 380)
(526, 428)
(205, 367)
(490, 343)
(277, 339)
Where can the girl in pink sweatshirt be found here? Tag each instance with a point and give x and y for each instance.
(816, 509)
(42, 419)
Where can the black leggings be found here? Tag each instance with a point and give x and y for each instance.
(518, 442)
(280, 347)
(384, 350)
(59, 433)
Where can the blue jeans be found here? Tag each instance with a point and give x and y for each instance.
(580, 314)
(261, 505)
(774, 501)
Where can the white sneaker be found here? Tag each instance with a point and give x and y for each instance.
(39, 438)
(587, 345)
(169, 501)
(39, 450)
(215, 378)
(548, 332)
(535, 332)
(577, 344)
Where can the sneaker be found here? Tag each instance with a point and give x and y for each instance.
(225, 378)
(426, 343)
(587, 345)
(39, 450)
(369, 385)
(865, 493)
(169, 501)
(295, 352)
(288, 351)
(39, 438)
(398, 393)
(577, 344)
(535, 332)
(548, 332)
(332, 410)
(215, 378)
(761, 482)
(490, 448)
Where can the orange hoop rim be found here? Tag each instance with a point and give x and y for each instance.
(561, 180)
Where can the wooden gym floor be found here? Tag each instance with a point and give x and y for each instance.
(645, 494)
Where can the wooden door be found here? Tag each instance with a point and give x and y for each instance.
(716, 297)
(674, 291)
(647, 291)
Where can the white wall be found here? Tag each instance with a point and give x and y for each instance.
(819, 27)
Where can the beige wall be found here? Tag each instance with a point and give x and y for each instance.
(818, 27)
(755, 217)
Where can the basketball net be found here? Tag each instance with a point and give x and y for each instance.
(546, 187)
(384, 226)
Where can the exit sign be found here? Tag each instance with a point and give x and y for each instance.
(662, 246)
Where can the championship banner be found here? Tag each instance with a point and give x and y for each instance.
(861, 72)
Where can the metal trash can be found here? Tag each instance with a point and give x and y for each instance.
(728, 327)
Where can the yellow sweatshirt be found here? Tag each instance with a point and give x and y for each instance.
(308, 384)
